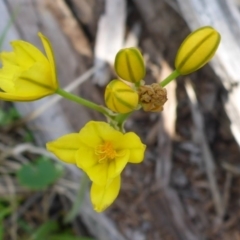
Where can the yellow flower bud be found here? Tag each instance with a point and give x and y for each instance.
(119, 97)
(197, 49)
(129, 65)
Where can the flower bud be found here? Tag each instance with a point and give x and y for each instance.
(197, 49)
(119, 97)
(129, 65)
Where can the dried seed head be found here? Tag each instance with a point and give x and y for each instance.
(152, 97)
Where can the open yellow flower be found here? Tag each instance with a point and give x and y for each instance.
(27, 74)
(102, 152)
(99, 150)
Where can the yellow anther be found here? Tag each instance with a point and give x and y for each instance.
(105, 152)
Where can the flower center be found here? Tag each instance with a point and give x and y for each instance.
(105, 152)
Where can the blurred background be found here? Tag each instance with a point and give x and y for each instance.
(187, 188)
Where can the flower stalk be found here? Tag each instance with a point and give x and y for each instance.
(171, 77)
(83, 102)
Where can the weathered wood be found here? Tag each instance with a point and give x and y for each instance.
(110, 38)
(87, 12)
(71, 28)
(224, 16)
(165, 205)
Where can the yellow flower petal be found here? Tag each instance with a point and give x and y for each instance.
(103, 196)
(98, 173)
(29, 85)
(13, 97)
(7, 74)
(89, 134)
(132, 142)
(101, 173)
(116, 166)
(48, 48)
(27, 54)
(8, 58)
(65, 147)
(86, 157)
(95, 133)
(35, 79)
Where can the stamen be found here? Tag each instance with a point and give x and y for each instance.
(105, 152)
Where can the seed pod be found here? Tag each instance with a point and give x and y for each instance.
(152, 97)
(119, 97)
(197, 49)
(129, 65)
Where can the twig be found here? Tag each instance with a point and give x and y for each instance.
(166, 130)
(208, 159)
(12, 196)
(231, 168)
(226, 192)
(27, 204)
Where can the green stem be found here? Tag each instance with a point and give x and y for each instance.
(172, 76)
(82, 101)
(121, 118)
(79, 198)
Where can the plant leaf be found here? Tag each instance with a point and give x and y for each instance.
(44, 230)
(40, 174)
(68, 237)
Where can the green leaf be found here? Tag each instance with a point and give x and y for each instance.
(1, 230)
(4, 212)
(8, 116)
(68, 237)
(28, 136)
(25, 226)
(40, 174)
(44, 230)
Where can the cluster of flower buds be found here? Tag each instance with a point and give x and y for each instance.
(122, 96)
(196, 50)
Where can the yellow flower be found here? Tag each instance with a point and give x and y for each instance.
(119, 97)
(129, 65)
(27, 74)
(102, 152)
(197, 49)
